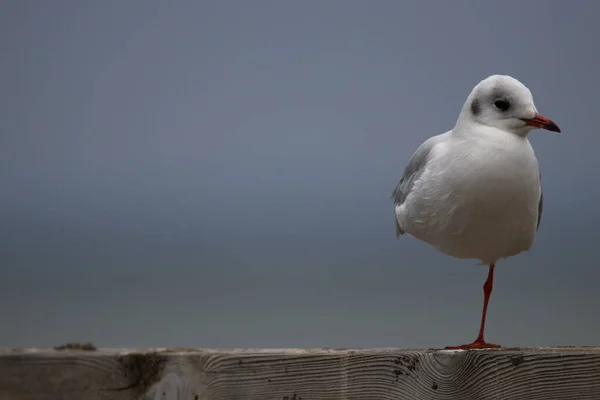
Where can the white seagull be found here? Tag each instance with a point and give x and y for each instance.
(475, 191)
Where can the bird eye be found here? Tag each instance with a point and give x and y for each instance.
(502, 105)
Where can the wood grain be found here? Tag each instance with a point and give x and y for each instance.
(291, 374)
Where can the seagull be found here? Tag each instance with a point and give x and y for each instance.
(475, 192)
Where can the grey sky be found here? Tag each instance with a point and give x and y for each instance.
(218, 173)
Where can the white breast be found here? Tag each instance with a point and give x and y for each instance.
(477, 198)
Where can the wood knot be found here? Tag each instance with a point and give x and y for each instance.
(142, 370)
(405, 365)
(517, 360)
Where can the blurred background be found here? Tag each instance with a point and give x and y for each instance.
(218, 173)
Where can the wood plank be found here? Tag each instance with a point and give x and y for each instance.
(292, 374)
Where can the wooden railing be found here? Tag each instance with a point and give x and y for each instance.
(87, 373)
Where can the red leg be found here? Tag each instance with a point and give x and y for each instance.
(480, 343)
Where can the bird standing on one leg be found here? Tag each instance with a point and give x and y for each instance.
(475, 191)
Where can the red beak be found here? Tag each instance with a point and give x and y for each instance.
(540, 121)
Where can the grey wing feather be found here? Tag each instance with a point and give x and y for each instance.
(540, 204)
(412, 172)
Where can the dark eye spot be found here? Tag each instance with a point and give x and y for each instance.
(502, 105)
(475, 107)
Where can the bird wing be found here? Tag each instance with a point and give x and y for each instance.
(541, 203)
(412, 172)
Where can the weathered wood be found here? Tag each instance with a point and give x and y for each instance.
(87, 373)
